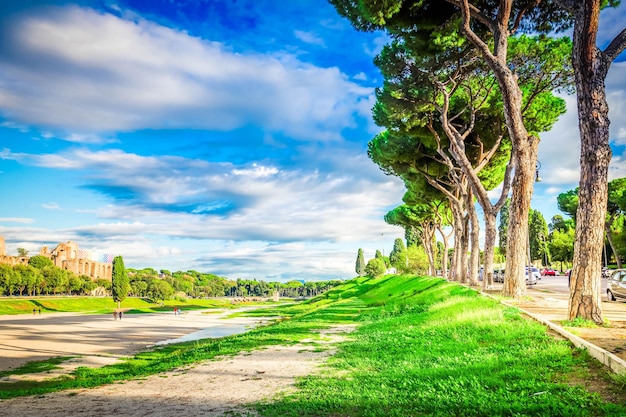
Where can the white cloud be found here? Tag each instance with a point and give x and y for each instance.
(617, 169)
(308, 37)
(23, 220)
(553, 190)
(616, 97)
(559, 149)
(379, 43)
(51, 206)
(86, 72)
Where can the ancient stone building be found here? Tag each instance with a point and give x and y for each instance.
(65, 256)
(7, 259)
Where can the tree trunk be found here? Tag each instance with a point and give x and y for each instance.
(444, 258)
(517, 239)
(524, 145)
(463, 249)
(595, 155)
(609, 237)
(428, 234)
(490, 245)
(456, 268)
(474, 261)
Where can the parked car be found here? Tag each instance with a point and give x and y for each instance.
(532, 280)
(616, 285)
(535, 272)
(498, 276)
(549, 272)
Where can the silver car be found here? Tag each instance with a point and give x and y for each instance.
(616, 285)
(532, 280)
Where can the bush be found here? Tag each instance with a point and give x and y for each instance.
(375, 267)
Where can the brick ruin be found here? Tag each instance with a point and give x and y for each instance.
(65, 256)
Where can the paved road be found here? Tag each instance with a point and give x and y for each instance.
(552, 297)
(558, 284)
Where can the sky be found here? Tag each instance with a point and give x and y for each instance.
(223, 136)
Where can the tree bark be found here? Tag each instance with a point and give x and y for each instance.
(474, 261)
(591, 68)
(428, 235)
(464, 246)
(456, 269)
(490, 245)
(609, 237)
(517, 240)
(446, 246)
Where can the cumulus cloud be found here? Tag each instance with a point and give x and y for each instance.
(559, 149)
(192, 198)
(78, 70)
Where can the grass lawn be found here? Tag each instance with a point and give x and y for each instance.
(102, 305)
(424, 347)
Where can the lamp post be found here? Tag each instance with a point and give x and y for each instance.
(537, 168)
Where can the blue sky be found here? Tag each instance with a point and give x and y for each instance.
(223, 136)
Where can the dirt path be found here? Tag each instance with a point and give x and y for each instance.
(211, 388)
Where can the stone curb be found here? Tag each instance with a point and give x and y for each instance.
(605, 357)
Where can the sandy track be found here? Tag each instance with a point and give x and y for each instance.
(211, 388)
(100, 339)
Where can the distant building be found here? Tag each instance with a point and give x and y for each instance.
(11, 260)
(65, 256)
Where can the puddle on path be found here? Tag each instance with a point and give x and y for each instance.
(213, 332)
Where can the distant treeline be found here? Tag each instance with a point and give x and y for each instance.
(199, 285)
(41, 277)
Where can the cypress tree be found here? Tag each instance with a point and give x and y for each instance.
(360, 263)
(120, 284)
(397, 255)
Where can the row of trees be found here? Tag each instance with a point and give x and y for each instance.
(41, 277)
(411, 259)
(163, 285)
(547, 242)
(466, 93)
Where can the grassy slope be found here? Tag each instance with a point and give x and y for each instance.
(435, 348)
(424, 347)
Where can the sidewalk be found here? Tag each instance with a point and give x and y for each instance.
(607, 344)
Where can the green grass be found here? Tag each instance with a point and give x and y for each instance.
(37, 366)
(424, 347)
(579, 322)
(102, 305)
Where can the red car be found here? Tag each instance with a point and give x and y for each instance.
(548, 271)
